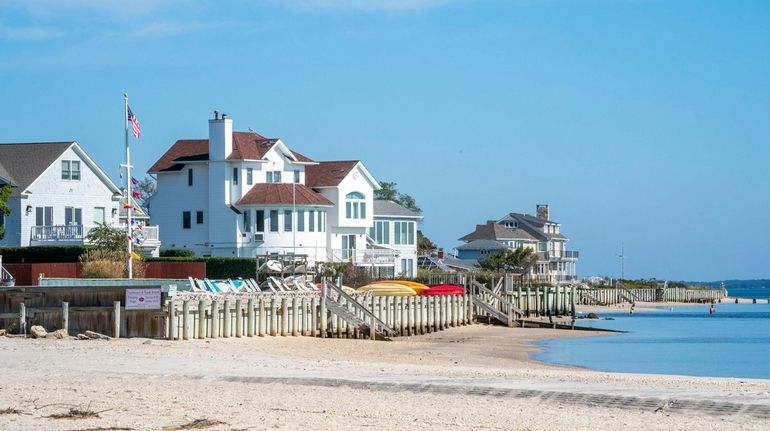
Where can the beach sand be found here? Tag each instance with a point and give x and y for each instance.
(473, 377)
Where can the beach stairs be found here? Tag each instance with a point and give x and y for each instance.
(587, 297)
(626, 294)
(495, 306)
(360, 318)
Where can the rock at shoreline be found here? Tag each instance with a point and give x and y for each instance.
(592, 316)
(96, 336)
(59, 334)
(2, 332)
(82, 337)
(38, 331)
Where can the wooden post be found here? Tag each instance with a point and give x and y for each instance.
(273, 316)
(201, 320)
(556, 301)
(250, 317)
(572, 301)
(238, 318)
(23, 318)
(65, 316)
(409, 315)
(314, 317)
(284, 316)
(215, 318)
(226, 319)
(171, 319)
(294, 316)
(420, 300)
(455, 310)
(185, 318)
(323, 311)
(529, 312)
(262, 318)
(303, 316)
(402, 323)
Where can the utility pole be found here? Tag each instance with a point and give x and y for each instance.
(622, 257)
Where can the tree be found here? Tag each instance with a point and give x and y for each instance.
(389, 192)
(146, 188)
(106, 237)
(424, 244)
(5, 193)
(517, 261)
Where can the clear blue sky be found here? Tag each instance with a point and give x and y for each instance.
(639, 121)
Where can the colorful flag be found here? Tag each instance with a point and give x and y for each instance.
(136, 194)
(135, 123)
(134, 181)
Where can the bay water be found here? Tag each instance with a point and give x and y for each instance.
(685, 340)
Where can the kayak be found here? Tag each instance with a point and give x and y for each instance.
(417, 287)
(444, 289)
(387, 289)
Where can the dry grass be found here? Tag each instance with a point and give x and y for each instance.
(108, 264)
(12, 411)
(78, 413)
(197, 424)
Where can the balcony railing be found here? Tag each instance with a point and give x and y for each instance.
(363, 257)
(57, 233)
(563, 254)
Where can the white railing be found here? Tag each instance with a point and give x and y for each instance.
(57, 233)
(363, 256)
(151, 233)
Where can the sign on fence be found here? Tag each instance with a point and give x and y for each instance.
(143, 299)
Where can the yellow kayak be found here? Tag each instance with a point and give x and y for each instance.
(417, 287)
(387, 289)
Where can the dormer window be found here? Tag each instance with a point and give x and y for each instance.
(512, 224)
(355, 206)
(273, 177)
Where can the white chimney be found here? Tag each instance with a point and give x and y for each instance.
(220, 137)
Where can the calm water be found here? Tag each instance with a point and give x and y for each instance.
(735, 342)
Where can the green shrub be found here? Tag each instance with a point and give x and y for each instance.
(177, 252)
(43, 254)
(230, 267)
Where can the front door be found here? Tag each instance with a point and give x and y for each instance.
(348, 246)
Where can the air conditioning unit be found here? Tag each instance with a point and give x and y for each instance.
(259, 237)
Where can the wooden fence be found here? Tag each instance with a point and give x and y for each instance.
(306, 314)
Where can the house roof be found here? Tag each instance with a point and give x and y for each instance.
(246, 146)
(534, 225)
(461, 264)
(22, 163)
(482, 244)
(492, 230)
(328, 174)
(384, 208)
(282, 194)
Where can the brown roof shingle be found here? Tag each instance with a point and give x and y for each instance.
(21, 164)
(246, 146)
(282, 194)
(328, 174)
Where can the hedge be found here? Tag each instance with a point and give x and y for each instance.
(177, 252)
(219, 267)
(43, 254)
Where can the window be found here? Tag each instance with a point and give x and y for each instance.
(380, 232)
(273, 176)
(73, 216)
(65, 169)
(75, 175)
(355, 206)
(403, 232)
(348, 246)
(300, 220)
(273, 220)
(235, 176)
(247, 221)
(44, 216)
(199, 217)
(287, 219)
(321, 218)
(311, 220)
(185, 219)
(541, 246)
(189, 177)
(99, 215)
(249, 176)
(260, 220)
(296, 176)
(407, 267)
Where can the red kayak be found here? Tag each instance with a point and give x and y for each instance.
(444, 289)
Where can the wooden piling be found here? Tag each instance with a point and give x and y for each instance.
(226, 319)
(65, 316)
(201, 320)
(185, 318)
(250, 317)
(294, 316)
(238, 318)
(273, 317)
(323, 311)
(171, 319)
(314, 317)
(284, 316)
(215, 318)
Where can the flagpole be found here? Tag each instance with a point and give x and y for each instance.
(128, 206)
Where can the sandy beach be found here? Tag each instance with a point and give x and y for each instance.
(474, 377)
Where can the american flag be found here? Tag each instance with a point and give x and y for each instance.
(135, 123)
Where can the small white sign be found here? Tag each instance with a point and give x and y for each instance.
(143, 299)
(172, 290)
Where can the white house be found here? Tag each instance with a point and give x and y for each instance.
(59, 194)
(395, 228)
(242, 194)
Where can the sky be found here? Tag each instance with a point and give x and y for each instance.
(644, 124)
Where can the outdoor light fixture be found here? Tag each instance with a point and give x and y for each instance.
(29, 209)
(114, 212)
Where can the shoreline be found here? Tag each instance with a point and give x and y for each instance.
(439, 381)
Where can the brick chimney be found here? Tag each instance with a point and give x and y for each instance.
(220, 137)
(542, 211)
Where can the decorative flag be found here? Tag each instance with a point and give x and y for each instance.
(136, 194)
(134, 181)
(135, 123)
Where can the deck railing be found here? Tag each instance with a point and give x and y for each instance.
(57, 233)
(363, 256)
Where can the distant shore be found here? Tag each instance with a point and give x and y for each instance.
(477, 376)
